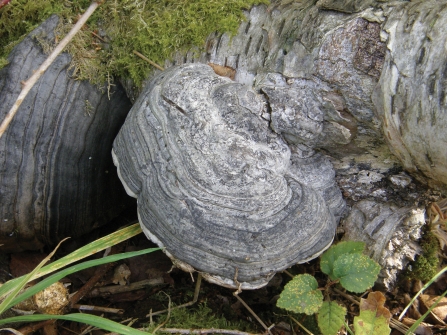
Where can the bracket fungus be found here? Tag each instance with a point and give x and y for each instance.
(215, 185)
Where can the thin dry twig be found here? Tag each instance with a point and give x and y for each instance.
(31, 328)
(148, 60)
(99, 273)
(236, 294)
(41, 70)
(194, 300)
(98, 309)
(114, 289)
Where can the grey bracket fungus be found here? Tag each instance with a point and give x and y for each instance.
(215, 185)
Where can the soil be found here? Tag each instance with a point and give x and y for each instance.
(216, 306)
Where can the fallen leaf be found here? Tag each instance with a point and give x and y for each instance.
(440, 311)
(422, 329)
(376, 303)
(224, 71)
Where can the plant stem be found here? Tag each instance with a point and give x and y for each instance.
(41, 70)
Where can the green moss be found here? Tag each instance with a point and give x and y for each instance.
(155, 28)
(426, 265)
(199, 317)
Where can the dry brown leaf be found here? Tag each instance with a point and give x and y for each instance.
(224, 71)
(376, 302)
(422, 329)
(440, 311)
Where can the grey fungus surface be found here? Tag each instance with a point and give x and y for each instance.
(215, 185)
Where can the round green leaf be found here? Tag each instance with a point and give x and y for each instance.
(301, 295)
(331, 318)
(356, 272)
(330, 256)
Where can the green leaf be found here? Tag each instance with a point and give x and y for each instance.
(330, 256)
(88, 319)
(301, 295)
(22, 281)
(367, 323)
(87, 250)
(331, 318)
(356, 272)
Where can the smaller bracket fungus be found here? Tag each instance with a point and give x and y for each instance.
(214, 183)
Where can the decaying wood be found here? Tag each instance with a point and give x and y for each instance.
(44, 66)
(377, 70)
(114, 289)
(57, 177)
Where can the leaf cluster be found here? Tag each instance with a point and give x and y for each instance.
(344, 263)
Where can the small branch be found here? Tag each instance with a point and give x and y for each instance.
(114, 289)
(99, 273)
(97, 309)
(148, 60)
(194, 300)
(31, 328)
(236, 294)
(41, 70)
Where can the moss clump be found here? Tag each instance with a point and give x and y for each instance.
(426, 265)
(155, 28)
(20, 17)
(199, 317)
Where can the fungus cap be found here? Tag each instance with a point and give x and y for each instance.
(214, 183)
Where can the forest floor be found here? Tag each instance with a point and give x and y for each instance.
(217, 307)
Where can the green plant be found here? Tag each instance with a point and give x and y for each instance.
(427, 263)
(12, 293)
(155, 28)
(345, 264)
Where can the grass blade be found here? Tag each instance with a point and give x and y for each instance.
(25, 279)
(85, 251)
(75, 268)
(422, 318)
(420, 292)
(92, 320)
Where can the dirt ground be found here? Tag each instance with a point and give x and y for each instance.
(216, 307)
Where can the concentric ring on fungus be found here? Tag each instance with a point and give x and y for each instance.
(213, 181)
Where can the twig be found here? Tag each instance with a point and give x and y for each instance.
(98, 309)
(288, 273)
(31, 328)
(41, 70)
(194, 300)
(167, 317)
(97, 36)
(299, 324)
(148, 60)
(113, 289)
(99, 273)
(203, 331)
(236, 294)
(12, 330)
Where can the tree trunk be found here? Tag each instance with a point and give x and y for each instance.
(57, 177)
(378, 72)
